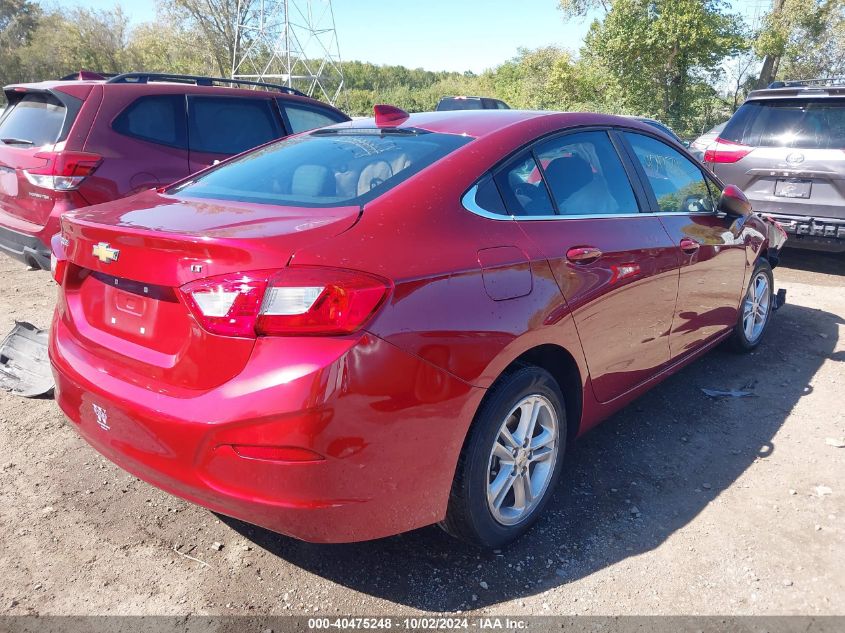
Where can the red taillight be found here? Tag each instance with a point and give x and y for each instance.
(58, 259)
(64, 171)
(292, 302)
(722, 151)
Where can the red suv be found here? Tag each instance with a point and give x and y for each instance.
(380, 325)
(87, 139)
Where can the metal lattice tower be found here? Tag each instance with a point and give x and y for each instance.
(292, 41)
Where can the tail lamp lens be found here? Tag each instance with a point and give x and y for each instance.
(64, 171)
(722, 151)
(291, 302)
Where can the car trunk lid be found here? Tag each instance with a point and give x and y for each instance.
(128, 259)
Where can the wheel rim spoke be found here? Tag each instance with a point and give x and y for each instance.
(507, 437)
(529, 411)
(749, 325)
(546, 438)
(503, 454)
(542, 455)
(499, 489)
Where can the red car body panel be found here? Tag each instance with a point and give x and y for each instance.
(388, 407)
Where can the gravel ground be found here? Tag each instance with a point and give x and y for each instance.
(680, 504)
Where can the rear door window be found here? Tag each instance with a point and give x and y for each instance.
(586, 176)
(35, 120)
(798, 123)
(678, 184)
(522, 187)
(303, 118)
(157, 118)
(230, 125)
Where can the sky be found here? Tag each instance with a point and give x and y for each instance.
(454, 35)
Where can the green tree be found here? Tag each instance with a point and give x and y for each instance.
(18, 21)
(802, 39)
(656, 50)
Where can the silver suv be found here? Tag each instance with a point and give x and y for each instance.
(785, 148)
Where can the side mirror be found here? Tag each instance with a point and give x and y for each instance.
(734, 202)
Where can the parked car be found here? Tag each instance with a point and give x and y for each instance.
(700, 145)
(385, 324)
(89, 138)
(470, 103)
(783, 146)
(662, 127)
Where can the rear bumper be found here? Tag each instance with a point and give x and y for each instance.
(812, 233)
(25, 248)
(389, 425)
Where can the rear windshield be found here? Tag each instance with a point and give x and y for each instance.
(800, 123)
(36, 118)
(339, 168)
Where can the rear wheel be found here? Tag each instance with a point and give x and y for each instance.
(511, 460)
(755, 309)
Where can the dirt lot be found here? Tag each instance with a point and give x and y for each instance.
(680, 504)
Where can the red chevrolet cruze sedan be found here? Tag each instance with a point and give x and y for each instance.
(385, 324)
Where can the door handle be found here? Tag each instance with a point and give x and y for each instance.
(583, 254)
(689, 245)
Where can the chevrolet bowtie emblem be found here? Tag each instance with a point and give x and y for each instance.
(105, 253)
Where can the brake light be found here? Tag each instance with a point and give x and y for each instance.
(64, 171)
(58, 258)
(296, 301)
(722, 151)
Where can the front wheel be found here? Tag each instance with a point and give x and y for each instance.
(511, 460)
(755, 309)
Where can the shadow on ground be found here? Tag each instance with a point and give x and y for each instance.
(813, 261)
(668, 455)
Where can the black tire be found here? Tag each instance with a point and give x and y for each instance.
(740, 341)
(469, 516)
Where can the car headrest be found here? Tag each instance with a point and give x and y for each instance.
(373, 175)
(568, 174)
(311, 181)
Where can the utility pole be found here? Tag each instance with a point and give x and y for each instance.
(289, 41)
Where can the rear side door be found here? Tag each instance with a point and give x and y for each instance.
(709, 245)
(143, 140)
(221, 126)
(574, 195)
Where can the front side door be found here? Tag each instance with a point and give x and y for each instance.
(616, 266)
(220, 127)
(710, 246)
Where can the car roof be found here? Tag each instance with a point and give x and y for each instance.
(479, 123)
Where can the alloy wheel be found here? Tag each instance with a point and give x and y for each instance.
(522, 460)
(755, 309)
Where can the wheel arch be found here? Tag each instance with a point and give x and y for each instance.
(563, 367)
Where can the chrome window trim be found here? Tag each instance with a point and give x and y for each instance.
(469, 203)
